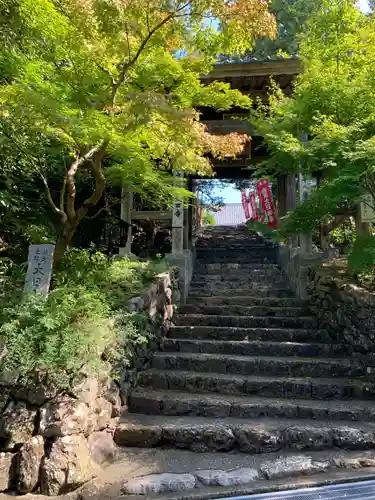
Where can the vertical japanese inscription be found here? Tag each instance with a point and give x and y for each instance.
(39, 269)
(178, 214)
(178, 206)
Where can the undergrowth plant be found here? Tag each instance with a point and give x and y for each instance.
(83, 317)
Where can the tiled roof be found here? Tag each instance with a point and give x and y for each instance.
(251, 58)
(230, 215)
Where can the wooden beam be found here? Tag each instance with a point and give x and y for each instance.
(281, 194)
(152, 214)
(291, 195)
(186, 228)
(254, 68)
(227, 126)
(126, 210)
(291, 202)
(126, 204)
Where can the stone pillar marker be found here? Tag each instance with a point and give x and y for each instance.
(305, 239)
(281, 191)
(187, 223)
(291, 195)
(178, 227)
(177, 223)
(126, 215)
(365, 215)
(39, 271)
(181, 255)
(306, 242)
(291, 202)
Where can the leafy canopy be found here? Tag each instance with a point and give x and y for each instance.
(328, 125)
(291, 18)
(113, 85)
(124, 71)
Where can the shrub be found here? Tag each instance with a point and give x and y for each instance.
(82, 317)
(208, 219)
(58, 334)
(118, 280)
(343, 235)
(131, 331)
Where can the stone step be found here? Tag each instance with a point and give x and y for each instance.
(236, 310)
(222, 287)
(235, 273)
(221, 406)
(240, 240)
(227, 282)
(238, 280)
(232, 240)
(245, 321)
(275, 387)
(263, 365)
(249, 246)
(247, 256)
(202, 434)
(231, 236)
(223, 246)
(247, 301)
(250, 334)
(259, 290)
(243, 257)
(254, 348)
(255, 270)
(207, 268)
(236, 251)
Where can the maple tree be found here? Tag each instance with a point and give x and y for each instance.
(291, 18)
(113, 85)
(328, 125)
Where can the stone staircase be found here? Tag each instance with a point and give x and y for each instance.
(245, 367)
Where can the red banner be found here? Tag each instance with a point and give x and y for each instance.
(266, 201)
(244, 204)
(253, 206)
(261, 211)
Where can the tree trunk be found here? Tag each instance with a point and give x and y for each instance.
(70, 218)
(63, 242)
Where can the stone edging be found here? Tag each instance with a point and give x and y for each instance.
(158, 303)
(270, 470)
(53, 443)
(345, 310)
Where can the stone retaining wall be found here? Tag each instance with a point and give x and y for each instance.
(53, 443)
(158, 303)
(184, 266)
(344, 310)
(347, 311)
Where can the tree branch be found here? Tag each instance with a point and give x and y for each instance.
(48, 193)
(102, 209)
(334, 223)
(61, 213)
(128, 43)
(107, 72)
(70, 179)
(126, 66)
(62, 195)
(96, 169)
(148, 21)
